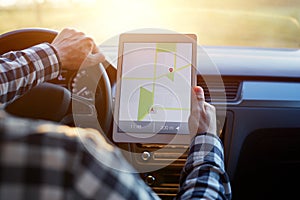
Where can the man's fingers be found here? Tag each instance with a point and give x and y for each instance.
(97, 57)
(200, 96)
(195, 106)
(209, 107)
(93, 59)
(197, 100)
(64, 34)
(95, 49)
(211, 115)
(75, 49)
(203, 115)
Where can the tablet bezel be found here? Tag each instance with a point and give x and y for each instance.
(161, 138)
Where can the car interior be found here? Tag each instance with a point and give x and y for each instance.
(255, 91)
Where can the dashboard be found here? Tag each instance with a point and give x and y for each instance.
(258, 120)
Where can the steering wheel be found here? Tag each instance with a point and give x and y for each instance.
(24, 38)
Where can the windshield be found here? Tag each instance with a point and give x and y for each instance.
(256, 23)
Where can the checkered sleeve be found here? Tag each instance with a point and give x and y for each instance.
(42, 160)
(204, 174)
(103, 173)
(22, 70)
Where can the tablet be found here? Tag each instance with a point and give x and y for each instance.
(155, 76)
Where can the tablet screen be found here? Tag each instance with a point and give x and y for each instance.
(154, 89)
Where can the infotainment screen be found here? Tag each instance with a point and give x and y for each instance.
(153, 100)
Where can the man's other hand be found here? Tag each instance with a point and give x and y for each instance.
(203, 115)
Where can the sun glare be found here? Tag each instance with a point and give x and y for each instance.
(6, 3)
(229, 22)
(108, 18)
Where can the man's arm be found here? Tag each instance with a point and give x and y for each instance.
(103, 173)
(204, 174)
(22, 70)
(43, 160)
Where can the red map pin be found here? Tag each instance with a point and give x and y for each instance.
(170, 69)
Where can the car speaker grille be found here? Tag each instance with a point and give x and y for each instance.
(227, 91)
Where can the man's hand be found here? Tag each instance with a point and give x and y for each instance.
(203, 115)
(76, 50)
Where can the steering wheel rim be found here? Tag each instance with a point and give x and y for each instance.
(24, 38)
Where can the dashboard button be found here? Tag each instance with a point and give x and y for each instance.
(146, 155)
(150, 180)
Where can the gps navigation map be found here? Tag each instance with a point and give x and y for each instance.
(155, 88)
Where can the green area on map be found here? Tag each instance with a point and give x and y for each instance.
(169, 48)
(145, 103)
(166, 47)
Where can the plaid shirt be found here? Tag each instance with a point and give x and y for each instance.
(43, 160)
(204, 175)
(21, 70)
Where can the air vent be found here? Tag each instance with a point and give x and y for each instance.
(226, 91)
(166, 192)
(166, 183)
(162, 154)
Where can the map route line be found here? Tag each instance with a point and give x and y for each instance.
(173, 108)
(158, 77)
(154, 75)
(172, 74)
(136, 78)
(175, 70)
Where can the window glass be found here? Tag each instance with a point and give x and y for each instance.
(255, 23)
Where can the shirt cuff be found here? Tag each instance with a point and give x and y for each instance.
(56, 55)
(45, 60)
(202, 138)
(206, 148)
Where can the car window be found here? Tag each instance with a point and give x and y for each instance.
(256, 23)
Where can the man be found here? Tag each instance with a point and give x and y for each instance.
(22, 70)
(43, 160)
